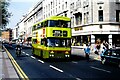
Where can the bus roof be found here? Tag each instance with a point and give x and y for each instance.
(57, 18)
(54, 18)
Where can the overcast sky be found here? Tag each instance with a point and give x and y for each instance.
(18, 9)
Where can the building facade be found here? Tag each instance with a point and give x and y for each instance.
(23, 29)
(56, 7)
(91, 20)
(7, 35)
(15, 33)
(96, 20)
(42, 10)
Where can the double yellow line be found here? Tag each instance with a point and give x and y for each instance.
(20, 72)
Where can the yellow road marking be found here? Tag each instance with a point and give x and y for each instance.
(17, 67)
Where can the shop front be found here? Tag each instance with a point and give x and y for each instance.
(116, 40)
(81, 40)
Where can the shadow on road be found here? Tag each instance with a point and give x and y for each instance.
(77, 58)
(72, 58)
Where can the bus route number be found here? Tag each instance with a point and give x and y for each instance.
(59, 33)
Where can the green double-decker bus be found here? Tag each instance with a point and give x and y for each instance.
(51, 38)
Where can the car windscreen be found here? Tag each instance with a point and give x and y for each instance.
(115, 53)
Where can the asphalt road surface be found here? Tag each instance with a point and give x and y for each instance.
(77, 68)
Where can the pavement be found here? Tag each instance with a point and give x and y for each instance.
(78, 50)
(7, 70)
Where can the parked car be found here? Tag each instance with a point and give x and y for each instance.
(111, 56)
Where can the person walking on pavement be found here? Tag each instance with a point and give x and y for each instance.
(87, 52)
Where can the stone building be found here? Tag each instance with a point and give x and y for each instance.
(96, 19)
(91, 20)
(7, 35)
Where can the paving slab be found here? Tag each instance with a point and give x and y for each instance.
(7, 71)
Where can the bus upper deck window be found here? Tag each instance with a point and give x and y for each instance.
(39, 26)
(64, 24)
(69, 24)
(42, 24)
(51, 23)
(46, 24)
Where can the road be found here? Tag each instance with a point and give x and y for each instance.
(75, 69)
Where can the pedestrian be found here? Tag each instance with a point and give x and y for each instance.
(110, 46)
(103, 48)
(87, 52)
(96, 50)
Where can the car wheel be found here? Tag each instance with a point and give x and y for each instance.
(103, 61)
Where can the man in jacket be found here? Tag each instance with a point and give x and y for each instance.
(87, 52)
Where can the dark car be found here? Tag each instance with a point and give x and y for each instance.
(111, 56)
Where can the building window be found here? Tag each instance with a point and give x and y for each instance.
(53, 12)
(87, 17)
(66, 4)
(63, 7)
(56, 10)
(72, 6)
(72, 21)
(78, 17)
(118, 16)
(56, 3)
(59, 8)
(51, 5)
(100, 14)
(66, 14)
(78, 4)
(117, 1)
(84, 18)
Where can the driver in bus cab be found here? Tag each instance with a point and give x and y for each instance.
(64, 25)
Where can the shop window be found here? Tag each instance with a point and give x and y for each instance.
(118, 16)
(76, 29)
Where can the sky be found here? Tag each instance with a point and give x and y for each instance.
(18, 8)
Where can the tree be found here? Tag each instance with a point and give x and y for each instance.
(4, 14)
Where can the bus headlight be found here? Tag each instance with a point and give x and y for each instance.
(51, 55)
(67, 55)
